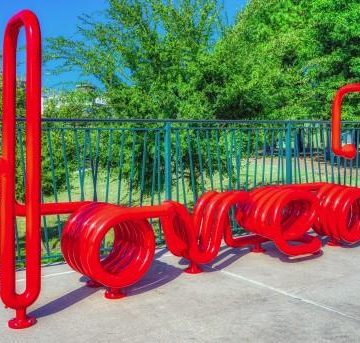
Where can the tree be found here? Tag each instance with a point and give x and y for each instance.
(20, 94)
(281, 60)
(285, 59)
(82, 102)
(149, 56)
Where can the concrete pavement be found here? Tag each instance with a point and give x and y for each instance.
(242, 297)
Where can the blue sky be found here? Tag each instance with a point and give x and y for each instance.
(60, 18)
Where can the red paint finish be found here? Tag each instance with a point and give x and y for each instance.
(279, 214)
(32, 209)
(283, 215)
(196, 237)
(20, 302)
(273, 213)
(132, 252)
(348, 150)
(338, 214)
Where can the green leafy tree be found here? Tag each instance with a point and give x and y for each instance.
(82, 102)
(285, 59)
(149, 56)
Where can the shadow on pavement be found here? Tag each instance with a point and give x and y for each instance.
(158, 275)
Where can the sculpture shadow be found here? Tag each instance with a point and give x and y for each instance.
(62, 303)
(228, 255)
(272, 251)
(348, 246)
(159, 274)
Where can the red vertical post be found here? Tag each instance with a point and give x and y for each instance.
(9, 295)
(348, 150)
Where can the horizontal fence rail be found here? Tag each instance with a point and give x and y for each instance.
(144, 162)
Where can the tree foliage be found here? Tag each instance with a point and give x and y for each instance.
(280, 60)
(82, 102)
(285, 59)
(149, 56)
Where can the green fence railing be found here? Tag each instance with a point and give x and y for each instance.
(138, 162)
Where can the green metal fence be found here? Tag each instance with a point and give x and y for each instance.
(138, 162)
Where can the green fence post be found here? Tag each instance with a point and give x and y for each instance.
(288, 153)
(167, 156)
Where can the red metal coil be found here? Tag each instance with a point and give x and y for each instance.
(196, 237)
(131, 255)
(284, 216)
(272, 213)
(339, 213)
(9, 295)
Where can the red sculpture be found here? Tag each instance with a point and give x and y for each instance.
(348, 150)
(282, 214)
(344, 227)
(196, 237)
(10, 208)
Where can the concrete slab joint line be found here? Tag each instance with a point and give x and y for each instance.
(285, 293)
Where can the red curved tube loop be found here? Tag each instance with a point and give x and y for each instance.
(345, 202)
(196, 236)
(16, 301)
(344, 227)
(283, 216)
(348, 150)
(132, 252)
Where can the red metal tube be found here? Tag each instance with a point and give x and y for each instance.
(348, 150)
(344, 227)
(20, 302)
(132, 252)
(281, 214)
(52, 208)
(10, 208)
(284, 216)
(196, 237)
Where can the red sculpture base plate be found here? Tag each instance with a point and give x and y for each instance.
(193, 269)
(257, 249)
(16, 323)
(113, 294)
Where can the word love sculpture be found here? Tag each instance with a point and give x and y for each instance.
(281, 214)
